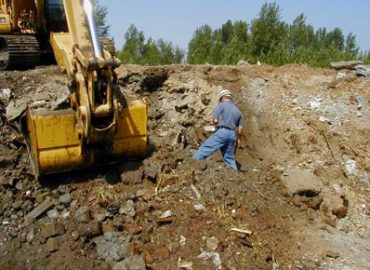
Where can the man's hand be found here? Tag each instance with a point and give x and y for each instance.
(213, 121)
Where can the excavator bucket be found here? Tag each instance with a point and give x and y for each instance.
(56, 146)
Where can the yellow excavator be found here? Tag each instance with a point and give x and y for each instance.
(97, 128)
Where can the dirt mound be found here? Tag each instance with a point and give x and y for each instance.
(302, 125)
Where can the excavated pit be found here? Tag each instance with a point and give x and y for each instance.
(301, 125)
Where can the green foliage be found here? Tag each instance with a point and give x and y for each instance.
(138, 51)
(267, 31)
(101, 13)
(226, 45)
(366, 58)
(270, 40)
(201, 45)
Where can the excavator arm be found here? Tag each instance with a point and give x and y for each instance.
(97, 128)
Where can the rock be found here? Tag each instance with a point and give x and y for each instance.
(53, 213)
(14, 111)
(181, 106)
(212, 243)
(214, 256)
(148, 258)
(184, 265)
(75, 235)
(3, 182)
(65, 198)
(199, 207)
(131, 263)
(113, 247)
(363, 70)
(128, 209)
(332, 254)
(52, 244)
(53, 229)
(38, 211)
(91, 229)
(302, 182)
(30, 236)
(152, 168)
(182, 240)
(132, 177)
(166, 214)
(345, 64)
(350, 167)
(83, 214)
(242, 63)
(5, 96)
(133, 229)
(101, 216)
(161, 254)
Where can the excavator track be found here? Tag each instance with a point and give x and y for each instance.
(19, 52)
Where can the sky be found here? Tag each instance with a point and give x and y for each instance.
(176, 20)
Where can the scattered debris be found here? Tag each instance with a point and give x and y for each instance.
(214, 256)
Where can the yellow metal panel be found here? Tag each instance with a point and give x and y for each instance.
(56, 129)
(54, 160)
(78, 29)
(132, 121)
(130, 147)
(131, 137)
(5, 27)
(62, 48)
(54, 141)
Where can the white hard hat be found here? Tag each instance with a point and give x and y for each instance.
(224, 93)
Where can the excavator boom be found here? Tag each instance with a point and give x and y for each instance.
(97, 128)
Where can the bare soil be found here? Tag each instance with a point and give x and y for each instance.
(301, 125)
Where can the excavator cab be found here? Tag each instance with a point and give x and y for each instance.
(55, 16)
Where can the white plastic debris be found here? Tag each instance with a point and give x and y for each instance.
(324, 119)
(182, 240)
(5, 95)
(315, 103)
(166, 214)
(184, 264)
(196, 192)
(209, 128)
(214, 256)
(341, 75)
(350, 166)
(199, 207)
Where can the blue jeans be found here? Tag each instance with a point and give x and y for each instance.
(223, 139)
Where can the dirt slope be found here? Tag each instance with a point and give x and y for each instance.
(302, 191)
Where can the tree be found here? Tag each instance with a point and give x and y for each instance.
(335, 39)
(133, 48)
(366, 58)
(351, 48)
(138, 51)
(267, 31)
(200, 46)
(300, 34)
(151, 54)
(101, 13)
(237, 46)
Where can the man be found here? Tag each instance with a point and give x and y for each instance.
(227, 118)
